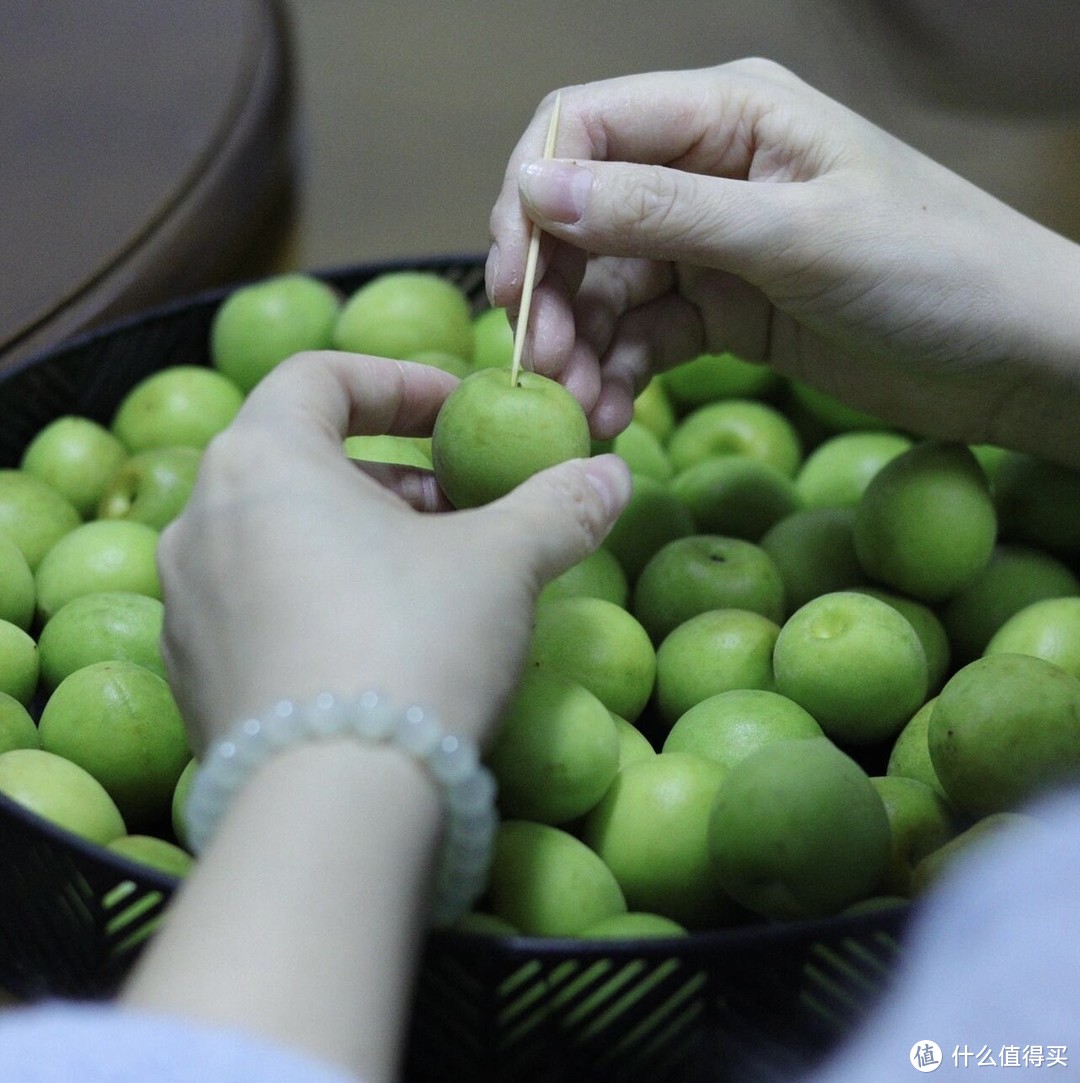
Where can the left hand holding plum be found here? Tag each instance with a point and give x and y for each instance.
(293, 571)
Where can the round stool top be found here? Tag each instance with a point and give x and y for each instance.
(143, 150)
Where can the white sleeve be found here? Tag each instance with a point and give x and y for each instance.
(99, 1043)
(991, 968)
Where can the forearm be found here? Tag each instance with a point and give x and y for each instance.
(1040, 407)
(305, 916)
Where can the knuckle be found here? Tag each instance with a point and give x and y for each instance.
(654, 207)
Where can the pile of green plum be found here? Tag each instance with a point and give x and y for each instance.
(815, 659)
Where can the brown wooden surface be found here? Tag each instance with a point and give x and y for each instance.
(143, 154)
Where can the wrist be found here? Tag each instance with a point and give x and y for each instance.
(304, 918)
(1040, 398)
(450, 764)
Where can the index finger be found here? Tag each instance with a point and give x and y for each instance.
(706, 121)
(334, 394)
(684, 119)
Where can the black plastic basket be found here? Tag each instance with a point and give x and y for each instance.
(753, 1003)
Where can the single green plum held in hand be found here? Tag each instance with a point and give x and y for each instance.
(490, 434)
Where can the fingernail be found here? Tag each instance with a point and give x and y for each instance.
(557, 191)
(610, 477)
(491, 270)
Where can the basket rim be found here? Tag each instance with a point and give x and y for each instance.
(890, 918)
(214, 295)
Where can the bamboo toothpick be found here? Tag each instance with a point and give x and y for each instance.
(534, 252)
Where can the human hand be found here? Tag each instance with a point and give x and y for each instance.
(736, 208)
(293, 571)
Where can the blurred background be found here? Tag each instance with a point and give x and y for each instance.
(149, 150)
(410, 110)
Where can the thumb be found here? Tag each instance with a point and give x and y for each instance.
(556, 518)
(650, 211)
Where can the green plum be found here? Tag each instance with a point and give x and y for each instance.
(151, 486)
(925, 525)
(490, 435)
(556, 751)
(400, 313)
(546, 882)
(1004, 728)
(257, 326)
(178, 406)
(706, 571)
(76, 456)
(798, 830)
(651, 830)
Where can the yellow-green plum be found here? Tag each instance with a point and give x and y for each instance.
(34, 515)
(17, 595)
(1004, 728)
(76, 456)
(61, 792)
(440, 359)
(711, 376)
(735, 495)
(178, 406)
(178, 804)
(928, 627)
(599, 575)
(651, 830)
(633, 744)
(119, 722)
(653, 408)
(1015, 576)
(601, 646)
(741, 427)
(490, 435)
(102, 626)
(103, 554)
(643, 452)
(813, 549)
(556, 752)
(653, 517)
(910, 753)
(493, 340)
(838, 470)
(17, 726)
(729, 726)
(633, 925)
(1048, 629)
(546, 882)
(714, 652)
(855, 663)
(20, 662)
(153, 852)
